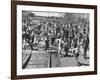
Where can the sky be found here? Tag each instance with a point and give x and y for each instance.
(47, 14)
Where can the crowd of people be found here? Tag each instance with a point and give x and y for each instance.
(57, 33)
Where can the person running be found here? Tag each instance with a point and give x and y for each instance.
(47, 43)
(66, 48)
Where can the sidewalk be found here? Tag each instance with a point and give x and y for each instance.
(71, 61)
(68, 61)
